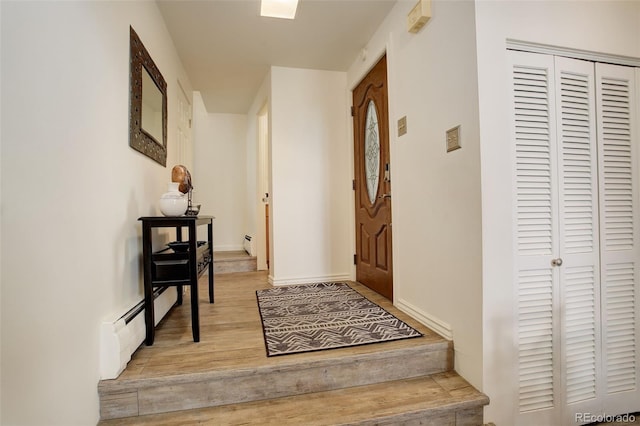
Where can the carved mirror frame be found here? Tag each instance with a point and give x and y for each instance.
(139, 139)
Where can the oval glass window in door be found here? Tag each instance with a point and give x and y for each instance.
(372, 152)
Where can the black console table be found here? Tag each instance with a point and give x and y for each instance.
(176, 267)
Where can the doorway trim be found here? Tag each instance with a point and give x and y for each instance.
(568, 52)
(263, 185)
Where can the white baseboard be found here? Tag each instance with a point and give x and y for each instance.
(435, 324)
(119, 339)
(307, 280)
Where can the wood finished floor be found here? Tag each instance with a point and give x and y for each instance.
(231, 333)
(231, 338)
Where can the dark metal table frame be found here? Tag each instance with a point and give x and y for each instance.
(190, 258)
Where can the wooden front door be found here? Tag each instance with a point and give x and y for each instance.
(372, 182)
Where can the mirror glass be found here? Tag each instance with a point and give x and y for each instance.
(147, 104)
(151, 107)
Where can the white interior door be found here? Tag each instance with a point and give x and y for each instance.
(535, 198)
(577, 233)
(579, 303)
(620, 234)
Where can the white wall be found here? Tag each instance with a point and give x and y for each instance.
(220, 173)
(1, 209)
(311, 179)
(609, 27)
(72, 191)
(436, 195)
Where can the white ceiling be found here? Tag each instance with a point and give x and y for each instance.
(227, 48)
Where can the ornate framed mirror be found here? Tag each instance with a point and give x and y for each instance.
(147, 103)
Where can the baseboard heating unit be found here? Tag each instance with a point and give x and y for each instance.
(122, 335)
(249, 245)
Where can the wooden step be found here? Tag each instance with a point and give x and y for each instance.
(438, 400)
(229, 369)
(291, 376)
(226, 262)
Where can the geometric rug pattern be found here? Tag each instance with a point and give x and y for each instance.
(313, 317)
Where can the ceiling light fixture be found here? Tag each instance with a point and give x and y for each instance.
(285, 9)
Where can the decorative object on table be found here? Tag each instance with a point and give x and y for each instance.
(193, 210)
(173, 202)
(179, 246)
(312, 317)
(183, 246)
(181, 174)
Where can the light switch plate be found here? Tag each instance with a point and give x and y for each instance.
(453, 139)
(402, 126)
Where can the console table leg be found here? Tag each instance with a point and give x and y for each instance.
(210, 236)
(211, 282)
(195, 319)
(149, 317)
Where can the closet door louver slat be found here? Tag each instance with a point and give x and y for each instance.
(621, 328)
(580, 334)
(535, 343)
(533, 170)
(577, 142)
(616, 151)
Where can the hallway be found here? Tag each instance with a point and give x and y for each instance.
(227, 378)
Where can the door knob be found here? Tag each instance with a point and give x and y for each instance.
(556, 262)
(384, 196)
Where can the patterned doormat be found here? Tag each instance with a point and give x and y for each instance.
(313, 317)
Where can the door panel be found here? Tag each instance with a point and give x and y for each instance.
(619, 234)
(372, 182)
(536, 223)
(579, 246)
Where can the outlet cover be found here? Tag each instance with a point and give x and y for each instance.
(453, 139)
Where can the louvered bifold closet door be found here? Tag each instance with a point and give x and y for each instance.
(535, 195)
(620, 234)
(579, 283)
